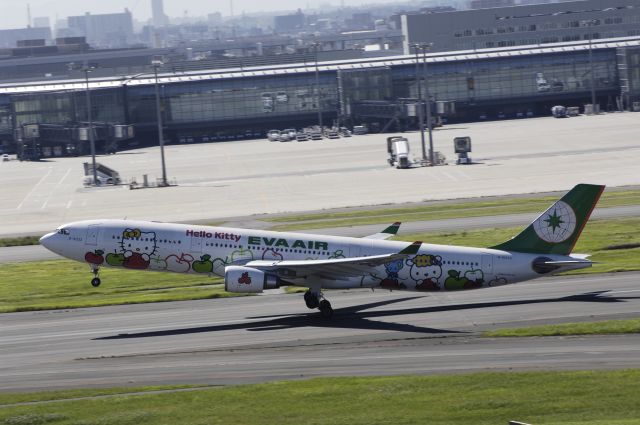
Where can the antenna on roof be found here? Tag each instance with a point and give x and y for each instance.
(28, 15)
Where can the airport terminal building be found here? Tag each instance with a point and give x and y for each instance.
(229, 104)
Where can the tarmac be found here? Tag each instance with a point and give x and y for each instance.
(275, 337)
(240, 179)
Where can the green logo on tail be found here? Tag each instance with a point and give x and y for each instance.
(557, 230)
(556, 224)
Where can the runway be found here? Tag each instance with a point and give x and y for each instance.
(273, 337)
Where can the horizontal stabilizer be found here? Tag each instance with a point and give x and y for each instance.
(546, 265)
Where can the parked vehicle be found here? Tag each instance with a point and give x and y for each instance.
(291, 132)
(559, 111)
(398, 149)
(104, 174)
(344, 132)
(302, 137)
(273, 135)
(332, 133)
(360, 130)
(316, 135)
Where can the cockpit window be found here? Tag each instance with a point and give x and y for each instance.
(62, 231)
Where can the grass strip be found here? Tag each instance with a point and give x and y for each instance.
(59, 284)
(439, 211)
(609, 327)
(597, 239)
(586, 397)
(43, 396)
(19, 241)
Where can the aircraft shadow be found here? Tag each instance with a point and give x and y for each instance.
(356, 317)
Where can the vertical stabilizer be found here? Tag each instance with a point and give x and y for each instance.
(557, 230)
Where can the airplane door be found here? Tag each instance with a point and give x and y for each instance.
(92, 235)
(487, 264)
(196, 245)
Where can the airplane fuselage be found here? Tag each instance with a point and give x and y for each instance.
(208, 250)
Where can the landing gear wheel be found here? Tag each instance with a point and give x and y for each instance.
(95, 282)
(325, 309)
(311, 299)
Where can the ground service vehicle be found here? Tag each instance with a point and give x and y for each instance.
(398, 149)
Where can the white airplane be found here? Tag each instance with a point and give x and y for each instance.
(253, 260)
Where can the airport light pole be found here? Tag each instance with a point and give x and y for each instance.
(425, 47)
(420, 102)
(590, 23)
(87, 68)
(156, 63)
(315, 48)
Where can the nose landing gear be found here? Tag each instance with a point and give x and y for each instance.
(315, 299)
(95, 282)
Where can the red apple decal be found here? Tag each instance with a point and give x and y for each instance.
(94, 257)
(245, 279)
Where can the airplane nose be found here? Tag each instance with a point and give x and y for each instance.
(47, 240)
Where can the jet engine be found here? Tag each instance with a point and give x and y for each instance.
(239, 279)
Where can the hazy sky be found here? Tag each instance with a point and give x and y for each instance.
(14, 12)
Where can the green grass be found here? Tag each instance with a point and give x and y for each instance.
(438, 211)
(592, 398)
(65, 284)
(20, 241)
(609, 327)
(14, 398)
(598, 238)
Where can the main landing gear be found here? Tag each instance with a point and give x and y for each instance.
(95, 282)
(315, 299)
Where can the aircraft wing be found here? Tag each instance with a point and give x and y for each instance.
(386, 233)
(335, 268)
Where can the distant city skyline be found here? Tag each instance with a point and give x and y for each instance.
(15, 12)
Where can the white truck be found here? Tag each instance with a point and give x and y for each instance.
(398, 149)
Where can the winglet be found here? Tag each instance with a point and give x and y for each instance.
(386, 233)
(393, 229)
(411, 249)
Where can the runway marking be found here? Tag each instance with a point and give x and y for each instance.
(34, 188)
(51, 192)
(69, 204)
(449, 176)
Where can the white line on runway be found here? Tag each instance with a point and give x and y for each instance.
(34, 188)
(449, 176)
(51, 192)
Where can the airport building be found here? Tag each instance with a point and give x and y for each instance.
(228, 104)
(522, 25)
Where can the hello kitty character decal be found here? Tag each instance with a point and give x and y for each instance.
(426, 270)
(137, 247)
